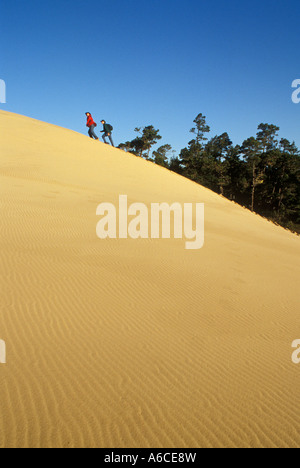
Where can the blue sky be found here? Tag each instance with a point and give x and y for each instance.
(157, 62)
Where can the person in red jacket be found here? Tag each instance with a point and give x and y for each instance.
(91, 125)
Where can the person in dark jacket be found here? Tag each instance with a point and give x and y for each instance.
(107, 130)
(91, 126)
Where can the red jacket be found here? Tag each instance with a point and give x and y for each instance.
(90, 121)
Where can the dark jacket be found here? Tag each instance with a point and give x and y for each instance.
(106, 128)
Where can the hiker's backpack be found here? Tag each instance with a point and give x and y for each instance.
(110, 127)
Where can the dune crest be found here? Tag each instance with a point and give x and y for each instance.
(137, 343)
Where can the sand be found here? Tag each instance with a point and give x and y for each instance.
(137, 343)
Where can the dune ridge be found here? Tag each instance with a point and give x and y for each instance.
(137, 343)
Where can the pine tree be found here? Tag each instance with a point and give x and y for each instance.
(251, 151)
(160, 156)
(191, 157)
(141, 145)
(218, 149)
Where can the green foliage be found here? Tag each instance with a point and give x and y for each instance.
(143, 143)
(262, 174)
(160, 156)
(201, 129)
(175, 165)
(267, 136)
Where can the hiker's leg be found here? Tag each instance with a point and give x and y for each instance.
(93, 132)
(111, 140)
(103, 138)
(90, 133)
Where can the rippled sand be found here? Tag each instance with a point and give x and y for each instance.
(137, 343)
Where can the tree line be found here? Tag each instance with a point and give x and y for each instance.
(262, 174)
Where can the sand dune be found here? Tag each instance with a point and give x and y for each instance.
(137, 343)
